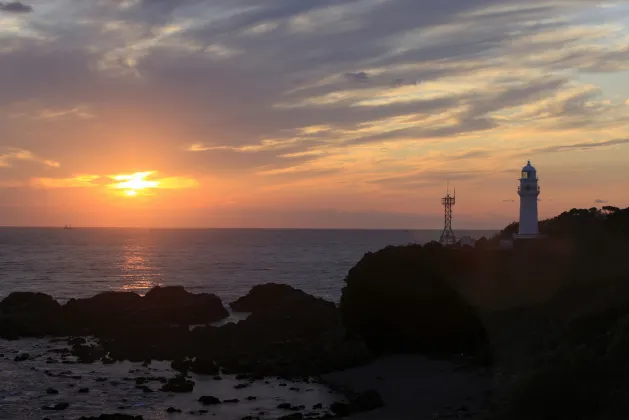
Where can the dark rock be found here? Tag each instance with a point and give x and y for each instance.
(84, 390)
(273, 297)
(366, 401)
(27, 314)
(22, 357)
(57, 407)
(218, 378)
(181, 365)
(173, 410)
(285, 406)
(76, 341)
(175, 305)
(209, 400)
(232, 400)
(318, 406)
(178, 384)
(52, 391)
(399, 299)
(251, 398)
(103, 310)
(294, 416)
(341, 409)
(241, 386)
(203, 367)
(113, 417)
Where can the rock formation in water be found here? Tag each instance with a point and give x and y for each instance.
(27, 314)
(288, 333)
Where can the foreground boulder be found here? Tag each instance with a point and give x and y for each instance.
(113, 417)
(102, 310)
(273, 296)
(280, 310)
(175, 305)
(399, 300)
(171, 304)
(26, 314)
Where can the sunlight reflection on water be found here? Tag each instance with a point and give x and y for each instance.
(139, 273)
(227, 262)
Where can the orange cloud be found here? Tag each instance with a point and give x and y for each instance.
(16, 154)
(78, 181)
(138, 183)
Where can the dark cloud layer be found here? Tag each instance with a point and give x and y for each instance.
(581, 146)
(15, 7)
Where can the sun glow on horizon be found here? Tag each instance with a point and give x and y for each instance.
(134, 184)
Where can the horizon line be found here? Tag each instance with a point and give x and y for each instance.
(234, 228)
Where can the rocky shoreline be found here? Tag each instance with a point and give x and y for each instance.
(281, 334)
(288, 334)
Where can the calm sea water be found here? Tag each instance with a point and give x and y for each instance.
(228, 262)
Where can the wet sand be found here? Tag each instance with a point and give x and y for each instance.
(417, 388)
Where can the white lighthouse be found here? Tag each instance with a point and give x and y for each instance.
(528, 192)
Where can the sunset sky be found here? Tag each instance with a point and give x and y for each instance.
(309, 113)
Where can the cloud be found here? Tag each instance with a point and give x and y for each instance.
(139, 182)
(426, 178)
(599, 201)
(78, 181)
(15, 7)
(277, 90)
(358, 77)
(471, 154)
(13, 154)
(581, 146)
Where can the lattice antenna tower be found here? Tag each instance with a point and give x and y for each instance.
(447, 236)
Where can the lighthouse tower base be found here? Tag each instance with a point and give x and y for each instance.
(521, 236)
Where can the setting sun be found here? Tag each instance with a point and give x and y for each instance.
(134, 183)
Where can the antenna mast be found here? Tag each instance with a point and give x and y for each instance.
(447, 236)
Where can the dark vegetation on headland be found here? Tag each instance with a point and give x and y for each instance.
(552, 317)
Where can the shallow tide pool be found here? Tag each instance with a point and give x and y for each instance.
(112, 389)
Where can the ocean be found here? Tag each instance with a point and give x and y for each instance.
(228, 262)
(82, 262)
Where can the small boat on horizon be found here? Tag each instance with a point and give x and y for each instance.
(68, 227)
